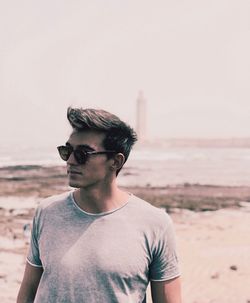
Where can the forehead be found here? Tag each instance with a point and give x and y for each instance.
(93, 139)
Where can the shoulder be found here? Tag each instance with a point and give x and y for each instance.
(149, 214)
(53, 202)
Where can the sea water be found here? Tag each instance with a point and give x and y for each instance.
(209, 166)
(151, 166)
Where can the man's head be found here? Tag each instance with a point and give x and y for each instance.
(118, 136)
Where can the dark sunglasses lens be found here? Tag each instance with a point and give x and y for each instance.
(80, 156)
(64, 152)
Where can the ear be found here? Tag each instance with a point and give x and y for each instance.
(117, 161)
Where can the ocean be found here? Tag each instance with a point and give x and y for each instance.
(150, 166)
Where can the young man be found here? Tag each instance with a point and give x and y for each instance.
(98, 243)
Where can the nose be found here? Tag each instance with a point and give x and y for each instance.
(72, 160)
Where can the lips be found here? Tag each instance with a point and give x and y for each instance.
(74, 172)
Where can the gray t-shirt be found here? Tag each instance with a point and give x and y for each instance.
(107, 258)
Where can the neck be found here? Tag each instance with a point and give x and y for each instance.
(105, 197)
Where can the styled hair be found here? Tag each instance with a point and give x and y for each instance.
(120, 137)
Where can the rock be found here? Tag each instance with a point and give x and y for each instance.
(216, 275)
(245, 206)
(233, 267)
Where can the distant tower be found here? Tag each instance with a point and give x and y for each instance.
(141, 127)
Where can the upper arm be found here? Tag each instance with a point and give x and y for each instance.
(164, 263)
(166, 291)
(30, 282)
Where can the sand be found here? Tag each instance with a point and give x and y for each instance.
(214, 250)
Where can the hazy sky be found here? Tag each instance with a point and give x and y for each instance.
(191, 59)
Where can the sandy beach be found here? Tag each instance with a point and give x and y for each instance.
(211, 223)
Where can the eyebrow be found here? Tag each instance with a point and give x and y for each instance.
(85, 146)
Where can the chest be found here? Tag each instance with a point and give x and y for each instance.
(100, 246)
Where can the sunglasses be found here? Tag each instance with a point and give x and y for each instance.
(81, 156)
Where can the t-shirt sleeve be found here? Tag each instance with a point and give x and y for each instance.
(33, 256)
(164, 265)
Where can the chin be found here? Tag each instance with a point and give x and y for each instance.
(74, 184)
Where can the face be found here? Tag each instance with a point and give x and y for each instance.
(96, 170)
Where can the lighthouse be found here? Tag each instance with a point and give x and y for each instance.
(141, 119)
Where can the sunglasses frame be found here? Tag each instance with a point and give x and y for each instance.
(80, 155)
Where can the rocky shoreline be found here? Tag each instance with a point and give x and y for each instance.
(40, 181)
